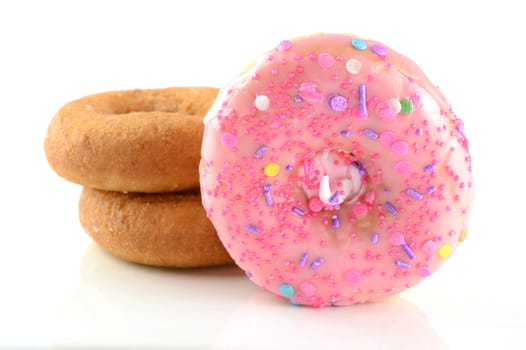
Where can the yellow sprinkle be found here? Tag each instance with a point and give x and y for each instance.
(463, 235)
(444, 251)
(272, 169)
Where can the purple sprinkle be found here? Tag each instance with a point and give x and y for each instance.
(391, 208)
(261, 150)
(374, 238)
(316, 263)
(252, 229)
(429, 168)
(335, 222)
(298, 211)
(415, 194)
(337, 102)
(461, 132)
(431, 189)
(363, 100)
(357, 164)
(298, 98)
(268, 198)
(303, 259)
(379, 50)
(267, 187)
(371, 134)
(362, 172)
(249, 274)
(408, 251)
(402, 264)
(288, 167)
(334, 197)
(345, 133)
(418, 132)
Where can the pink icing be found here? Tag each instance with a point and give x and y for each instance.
(338, 193)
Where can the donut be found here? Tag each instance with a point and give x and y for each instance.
(169, 229)
(335, 172)
(136, 141)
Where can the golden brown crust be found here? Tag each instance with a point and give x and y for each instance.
(154, 229)
(131, 141)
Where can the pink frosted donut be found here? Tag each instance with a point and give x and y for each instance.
(334, 172)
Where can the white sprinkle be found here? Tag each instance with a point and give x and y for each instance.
(395, 105)
(325, 189)
(262, 102)
(353, 66)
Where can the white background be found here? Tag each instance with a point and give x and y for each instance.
(59, 290)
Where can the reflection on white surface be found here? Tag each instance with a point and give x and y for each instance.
(120, 305)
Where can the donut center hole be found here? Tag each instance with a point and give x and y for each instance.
(330, 179)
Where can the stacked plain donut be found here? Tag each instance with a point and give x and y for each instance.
(137, 153)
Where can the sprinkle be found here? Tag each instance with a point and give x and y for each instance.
(384, 111)
(403, 166)
(308, 289)
(444, 251)
(325, 60)
(352, 276)
(363, 100)
(431, 189)
(334, 197)
(345, 133)
(360, 209)
(286, 290)
(271, 169)
(267, 187)
(353, 66)
(371, 134)
(359, 44)
(400, 148)
(395, 105)
(303, 259)
(268, 198)
(429, 168)
(424, 271)
(397, 238)
(325, 189)
(288, 167)
(298, 211)
(260, 151)
(316, 263)
(297, 98)
(407, 106)
(249, 274)
(337, 102)
(379, 50)
(429, 247)
(402, 264)
(252, 229)
(408, 251)
(463, 235)
(387, 138)
(374, 238)
(390, 208)
(309, 91)
(335, 222)
(262, 102)
(284, 45)
(229, 140)
(418, 132)
(415, 194)
(315, 204)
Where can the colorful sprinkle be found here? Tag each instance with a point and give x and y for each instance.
(334, 198)
(387, 138)
(260, 151)
(303, 259)
(252, 229)
(424, 271)
(316, 263)
(262, 102)
(400, 148)
(335, 222)
(431, 189)
(345, 133)
(414, 193)
(308, 289)
(406, 106)
(390, 208)
(268, 198)
(429, 247)
(363, 99)
(297, 98)
(353, 66)
(371, 134)
(229, 140)
(397, 238)
(298, 211)
(445, 251)
(248, 274)
(325, 60)
(395, 105)
(429, 168)
(352, 276)
(309, 91)
(267, 187)
(463, 235)
(337, 102)
(360, 209)
(379, 50)
(288, 167)
(284, 45)
(358, 44)
(408, 251)
(286, 290)
(271, 169)
(384, 111)
(315, 204)
(374, 238)
(402, 264)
